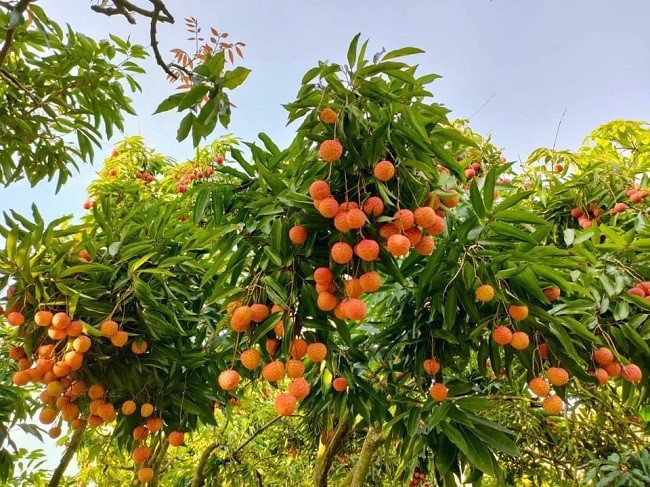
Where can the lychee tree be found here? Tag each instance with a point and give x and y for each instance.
(406, 279)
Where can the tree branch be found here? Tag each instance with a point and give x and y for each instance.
(154, 41)
(325, 458)
(124, 7)
(19, 8)
(67, 456)
(373, 441)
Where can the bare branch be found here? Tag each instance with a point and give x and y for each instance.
(126, 8)
(20, 7)
(154, 42)
(6, 5)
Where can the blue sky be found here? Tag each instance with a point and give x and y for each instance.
(533, 58)
(536, 58)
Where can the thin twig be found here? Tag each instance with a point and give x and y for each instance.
(482, 106)
(557, 132)
(19, 8)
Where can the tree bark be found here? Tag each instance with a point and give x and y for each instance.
(57, 475)
(199, 476)
(163, 446)
(373, 441)
(325, 457)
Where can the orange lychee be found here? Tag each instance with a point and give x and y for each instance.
(331, 150)
(229, 379)
(384, 170)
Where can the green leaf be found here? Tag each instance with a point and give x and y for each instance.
(404, 51)
(169, 103)
(185, 127)
(512, 200)
(236, 77)
(519, 216)
(510, 232)
(352, 50)
(475, 199)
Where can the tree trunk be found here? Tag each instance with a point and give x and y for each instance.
(163, 446)
(57, 475)
(326, 455)
(199, 476)
(372, 442)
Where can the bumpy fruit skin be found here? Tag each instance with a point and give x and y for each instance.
(520, 340)
(328, 207)
(241, 318)
(229, 379)
(414, 235)
(341, 253)
(146, 409)
(323, 275)
(437, 227)
(141, 454)
(373, 206)
(298, 235)
(140, 347)
(356, 218)
(331, 150)
(319, 190)
(145, 474)
(353, 288)
(367, 250)
(128, 407)
(601, 375)
(370, 282)
(298, 348)
(557, 376)
(632, 373)
(354, 309)
(387, 230)
(43, 318)
(431, 366)
(250, 358)
(316, 352)
(295, 369)
(328, 116)
(176, 438)
(552, 293)
(273, 371)
(518, 312)
(120, 338)
(326, 301)
(484, 293)
(438, 392)
(398, 245)
(552, 404)
(425, 246)
(384, 170)
(108, 328)
(299, 388)
(285, 404)
(425, 216)
(15, 318)
(539, 386)
(61, 320)
(81, 344)
(603, 356)
(614, 369)
(259, 312)
(340, 384)
(502, 335)
(404, 219)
